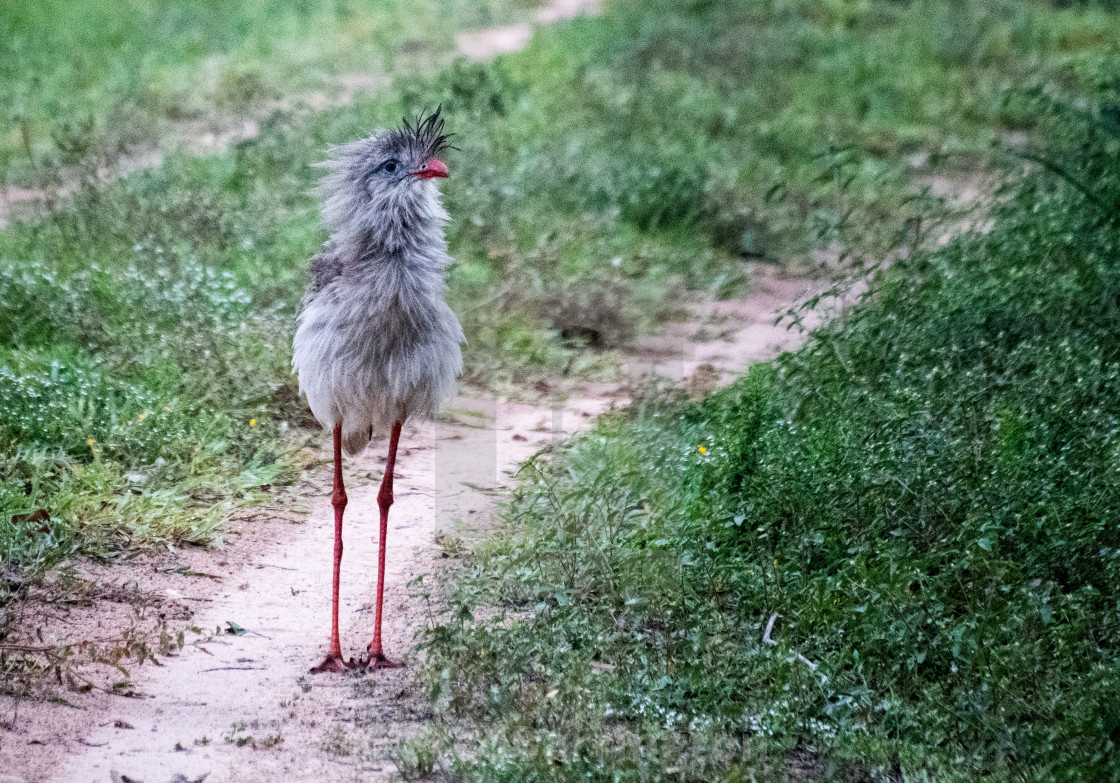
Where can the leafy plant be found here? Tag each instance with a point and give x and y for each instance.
(884, 555)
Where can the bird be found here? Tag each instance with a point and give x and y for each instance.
(376, 343)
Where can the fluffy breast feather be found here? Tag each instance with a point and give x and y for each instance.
(369, 362)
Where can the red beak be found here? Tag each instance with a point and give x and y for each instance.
(435, 168)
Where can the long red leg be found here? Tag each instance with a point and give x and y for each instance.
(377, 659)
(334, 661)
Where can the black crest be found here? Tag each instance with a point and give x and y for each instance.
(424, 136)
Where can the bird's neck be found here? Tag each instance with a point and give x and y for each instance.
(408, 229)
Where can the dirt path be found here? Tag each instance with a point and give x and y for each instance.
(242, 707)
(227, 689)
(212, 136)
(484, 44)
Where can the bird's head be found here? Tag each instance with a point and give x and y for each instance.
(382, 185)
(406, 156)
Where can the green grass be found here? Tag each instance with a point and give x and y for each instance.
(922, 505)
(115, 382)
(128, 72)
(613, 166)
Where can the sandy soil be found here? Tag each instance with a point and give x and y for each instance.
(195, 714)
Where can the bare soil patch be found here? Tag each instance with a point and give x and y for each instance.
(484, 44)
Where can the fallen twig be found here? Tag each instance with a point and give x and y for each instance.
(27, 648)
(767, 640)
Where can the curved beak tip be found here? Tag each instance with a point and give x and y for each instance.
(434, 168)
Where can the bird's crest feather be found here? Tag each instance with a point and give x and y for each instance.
(426, 134)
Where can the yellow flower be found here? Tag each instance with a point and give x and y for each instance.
(90, 442)
(703, 450)
(143, 416)
(252, 422)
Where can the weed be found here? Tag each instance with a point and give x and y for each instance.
(450, 546)
(271, 741)
(31, 668)
(234, 735)
(884, 555)
(415, 758)
(337, 742)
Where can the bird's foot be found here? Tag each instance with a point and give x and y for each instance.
(335, 663)
(377, 660)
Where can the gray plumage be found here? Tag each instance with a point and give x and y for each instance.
(375, 341)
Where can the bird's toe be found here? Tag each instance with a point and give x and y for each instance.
(379, 661)
(334, 664)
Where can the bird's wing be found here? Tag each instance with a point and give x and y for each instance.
(326, 265)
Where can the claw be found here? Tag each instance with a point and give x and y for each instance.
(335, 664)
(379, 661)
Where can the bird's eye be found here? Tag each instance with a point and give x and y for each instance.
(390, 166)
